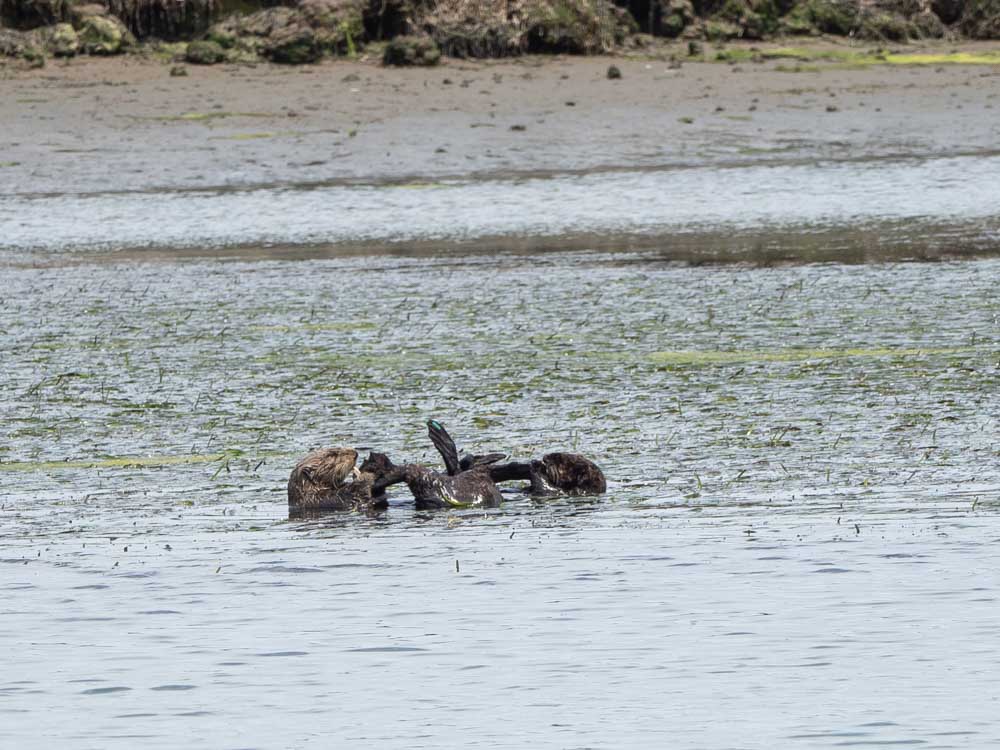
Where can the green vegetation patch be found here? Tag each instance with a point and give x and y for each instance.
(850, 57)
(201, 116)
(791, 355)
(119, 462)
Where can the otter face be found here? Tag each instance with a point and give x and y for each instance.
(328, 467)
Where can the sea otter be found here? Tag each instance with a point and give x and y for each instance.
(555, 473)
(432, 489)
(319, 483)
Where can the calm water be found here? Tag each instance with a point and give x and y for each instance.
(799, 546)
(922, 190)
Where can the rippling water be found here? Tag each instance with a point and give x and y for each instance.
(839, 194)
(799, 546)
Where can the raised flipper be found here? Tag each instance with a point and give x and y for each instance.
(445, 446)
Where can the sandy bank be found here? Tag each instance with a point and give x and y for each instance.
(126, 125)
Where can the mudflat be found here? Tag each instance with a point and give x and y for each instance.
(126, 124)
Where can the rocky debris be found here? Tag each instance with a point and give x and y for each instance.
(178, 71)
(463, 28)
(204, 52)
(31, 14)
(304, 34)
(418, 32)
(411, 50)
(980, 19)
(104, 35)
(674, 17)
(22, 46)
(715, 30)
(576, 26)
(63, 41)
(614, 73)
(744, 19)
(166, 19)
(11, 42)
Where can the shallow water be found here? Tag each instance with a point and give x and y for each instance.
(798, 547)
(924, 192)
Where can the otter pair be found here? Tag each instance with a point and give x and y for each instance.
(318, 481)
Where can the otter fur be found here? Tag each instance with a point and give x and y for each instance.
(319, 482)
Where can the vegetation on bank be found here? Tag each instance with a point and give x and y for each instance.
(418, 32)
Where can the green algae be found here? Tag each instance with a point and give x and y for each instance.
(200, 116)
(250, 136)
(855, 57)
(120, 462)
(794, 355)
(362, 325)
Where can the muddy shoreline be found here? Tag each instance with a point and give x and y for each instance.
(121, 128)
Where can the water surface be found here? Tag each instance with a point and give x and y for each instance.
(933, 197)
(798, 547)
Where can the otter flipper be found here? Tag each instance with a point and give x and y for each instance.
(510, 471)
(445, 446)
(473, 460)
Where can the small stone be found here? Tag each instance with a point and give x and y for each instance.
(570, 104)
(614, 73)
(831, 108)
(519, 128)
(178, 71)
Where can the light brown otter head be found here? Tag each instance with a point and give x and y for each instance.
(319, 472)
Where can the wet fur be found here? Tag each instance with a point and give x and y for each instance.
(567, 473)
(433, 490)
(555, 474)
(319, 483)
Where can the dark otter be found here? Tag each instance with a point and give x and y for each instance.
(318, 483)
(555, 473)
(433, 490)
(449, 452)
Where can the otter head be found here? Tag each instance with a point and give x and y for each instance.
(328, 467)
(377, 464)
